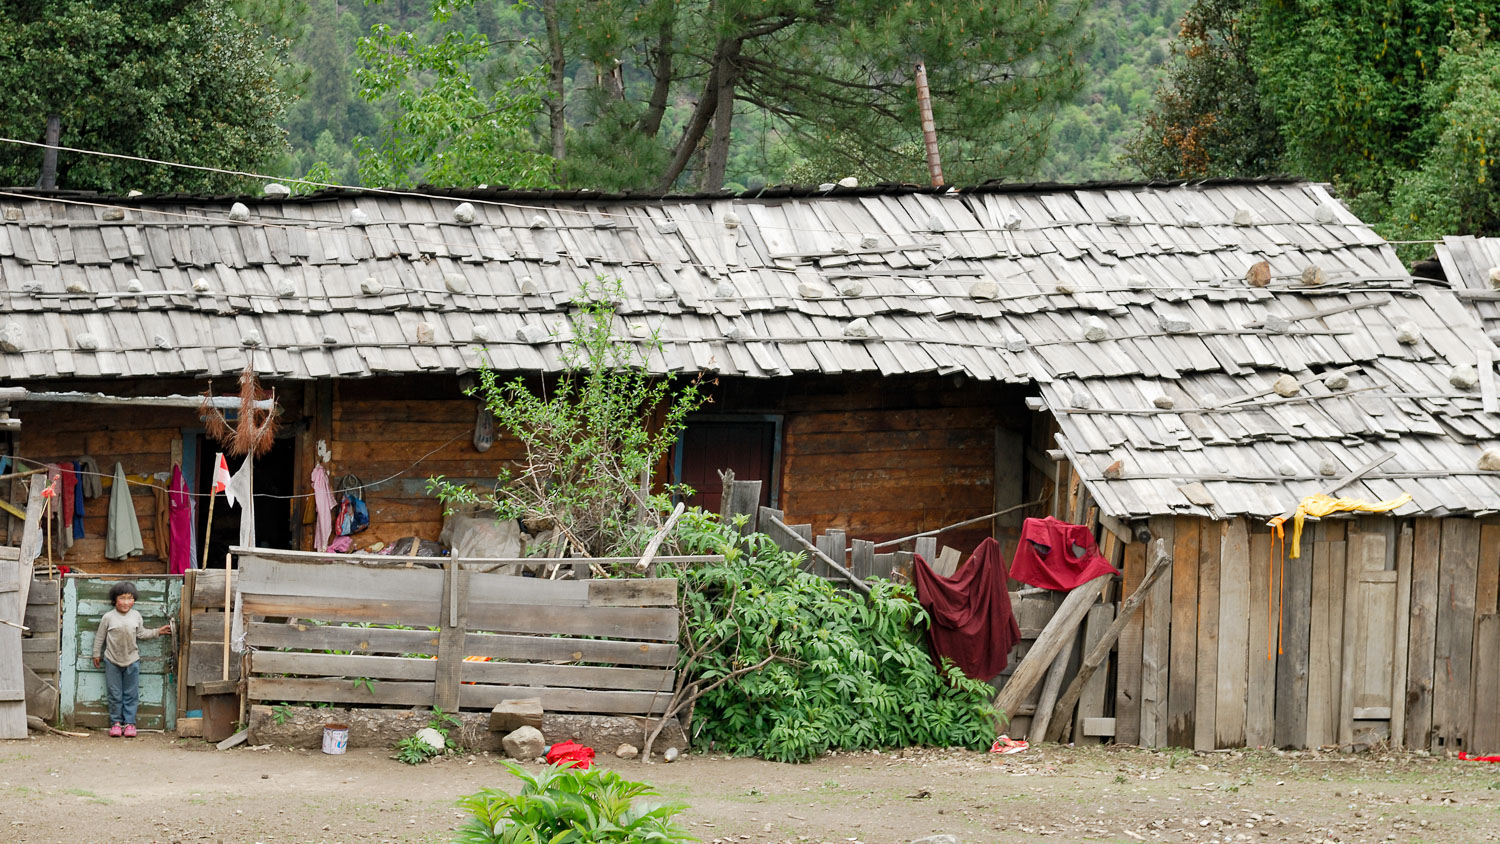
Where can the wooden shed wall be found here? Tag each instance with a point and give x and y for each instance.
(1388, 630)
(139, 438)
(878, 458)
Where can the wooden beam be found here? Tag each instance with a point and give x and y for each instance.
(1160, 563)
(824, 558)
(1057, 634)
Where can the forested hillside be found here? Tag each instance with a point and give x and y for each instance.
(1125, 46)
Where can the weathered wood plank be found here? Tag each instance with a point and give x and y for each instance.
(1452, 706)
(410, 613)
(1091, 700)
(624, 591)
(651, 623)
(1486, 736)
(567, 700)
(12, 672)
(1232, 674)
(1128, 665)
(568, 676)
(452, 629)
(1421, 649)
(1182, 692)
(1487, 584)
(1155, 646)
(1369, 629)
(331, 666)
(1402, 638)
(260, 634)
(1295, 586)
(1320, 728)
(339, 691)
(1260, 652)
(1209, 549)
(1338, 555)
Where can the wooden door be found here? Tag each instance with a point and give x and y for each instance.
(84, 701)
(1368, 673)
(748, 446)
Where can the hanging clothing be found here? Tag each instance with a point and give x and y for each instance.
(1053, 554)
(69, 493)
(1320, 505)
(89, 477)
(123, 538)
(180, 550)
(78, 501)
(241, 492)
(323, 503)
(970, 619)
(159, 530)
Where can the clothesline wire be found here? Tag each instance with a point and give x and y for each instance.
(415, 194)
(361, 486)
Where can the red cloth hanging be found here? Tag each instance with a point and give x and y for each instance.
(179, 524)
(1053, 554)
(971, 619)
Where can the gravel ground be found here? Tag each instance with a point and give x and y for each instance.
(160, 789)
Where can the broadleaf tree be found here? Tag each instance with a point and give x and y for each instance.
(177, 80)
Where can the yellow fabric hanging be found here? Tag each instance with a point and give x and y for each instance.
(1321, 505)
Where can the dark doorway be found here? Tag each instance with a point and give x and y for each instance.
(274, 476)
(750, 445)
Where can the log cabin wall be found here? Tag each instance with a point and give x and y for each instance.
(1388, 631)
(142, 439)
(881, 458)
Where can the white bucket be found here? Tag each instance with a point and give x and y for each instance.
(335, 738)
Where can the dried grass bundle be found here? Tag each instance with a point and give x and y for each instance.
(253, 430)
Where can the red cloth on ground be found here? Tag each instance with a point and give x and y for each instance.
(1467, 758)
(971, 619)
(1045, 556)
(568, 751)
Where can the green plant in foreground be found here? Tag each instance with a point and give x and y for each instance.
(566, 805)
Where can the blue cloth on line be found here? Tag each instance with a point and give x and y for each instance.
(77, 504)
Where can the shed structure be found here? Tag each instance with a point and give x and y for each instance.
(1167, 359)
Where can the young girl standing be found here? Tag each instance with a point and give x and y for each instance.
(116, 644)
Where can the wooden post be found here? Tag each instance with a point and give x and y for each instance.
(644, 563)
(1050, 689)
(1160, 562)
(228, 609)
(1058, 632)
(208, 528)
(452, 633)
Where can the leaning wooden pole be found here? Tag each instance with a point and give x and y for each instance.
(1161, 562)
(819, 555)
(1058, 633)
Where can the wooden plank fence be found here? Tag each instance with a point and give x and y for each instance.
(369, 632)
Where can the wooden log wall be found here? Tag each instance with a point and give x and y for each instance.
(1389, 629)
(884, 458)
(144, 440)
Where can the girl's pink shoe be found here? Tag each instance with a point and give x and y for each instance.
(115, 731)
(129, 731)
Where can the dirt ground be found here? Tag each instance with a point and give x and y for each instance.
(160, 789)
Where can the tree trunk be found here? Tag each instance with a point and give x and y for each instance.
(48, 179)
(656, 107)
(726, 61)
(557, 66)
(693, 133)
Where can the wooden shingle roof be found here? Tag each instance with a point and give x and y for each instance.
(1107, 297)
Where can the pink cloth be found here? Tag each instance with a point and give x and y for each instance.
(323, 502)
(179, 524)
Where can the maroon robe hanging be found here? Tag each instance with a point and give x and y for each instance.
(971, 619)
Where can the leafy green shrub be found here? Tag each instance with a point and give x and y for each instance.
(565, 805)
(787, 666)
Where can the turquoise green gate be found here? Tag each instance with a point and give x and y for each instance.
(81, 685)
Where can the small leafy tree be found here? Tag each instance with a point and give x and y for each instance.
(588, 438)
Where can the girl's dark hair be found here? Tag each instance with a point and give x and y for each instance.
(124, 587)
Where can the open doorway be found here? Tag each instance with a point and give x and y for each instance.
(274, 478)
